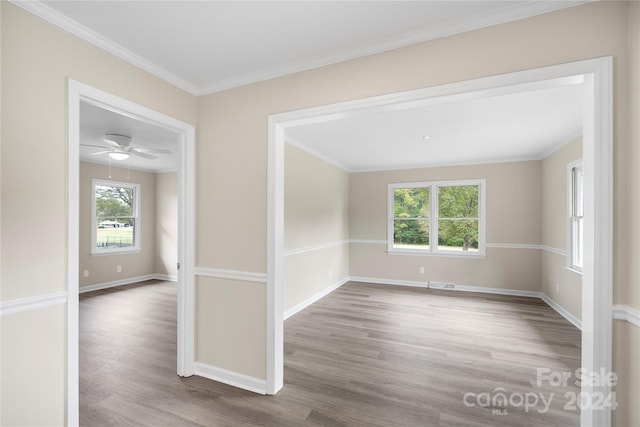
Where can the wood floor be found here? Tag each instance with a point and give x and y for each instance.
(366, 355)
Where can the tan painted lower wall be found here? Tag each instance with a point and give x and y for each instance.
(560, 284)
(309, 273)
(33, 387)
(626, 364)
(502, 268)
(232, 312)
(316, 213)
(166, 233)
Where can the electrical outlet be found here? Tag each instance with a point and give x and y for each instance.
(119, 269)
(421, 270)
(85, 273)
(557, 287)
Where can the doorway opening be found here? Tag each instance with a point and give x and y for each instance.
(597, 157)
(79, 95)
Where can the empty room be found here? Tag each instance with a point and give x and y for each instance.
(320, 213)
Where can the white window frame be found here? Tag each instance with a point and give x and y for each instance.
(571, 217)
(434, 217)
(94, 223)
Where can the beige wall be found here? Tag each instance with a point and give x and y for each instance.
(237, 329)
(626, 342)
(33, 359)
(166, 232)
(232, 144)
(102, 269)
(232, 166)
(513, 198)
(316, 212)
(626, 363)
(557, 282)
(37, 59)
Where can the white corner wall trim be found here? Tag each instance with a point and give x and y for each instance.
(166, 277)
(368, 241)
(20, 305)
(114, 283)
(220, 273)
(232, 378)
(377, 280)
(315, 247)
(313, 298)
(625, 312)
(513, 246)
(561, 310)
(485, 290)
(530, 246)
(556, 251)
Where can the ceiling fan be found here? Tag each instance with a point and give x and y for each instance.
(119, 148)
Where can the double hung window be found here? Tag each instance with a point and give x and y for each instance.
(444, 217)
(576, 215)
(115, 224)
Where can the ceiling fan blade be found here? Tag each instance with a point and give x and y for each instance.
(111, 143)
(150, 150)
(101, 152)
(116, 140)
(91, 145)
(146, 156)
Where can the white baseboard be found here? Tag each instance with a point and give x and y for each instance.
(127, 281)
(231, 378)
(463, 288)
(375, 280)
(306, 303)
(166, 277)
(561, 310)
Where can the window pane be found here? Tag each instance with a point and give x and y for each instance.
(578, 229)
(458, 201)
(457, 235)
(411, 202)
(578, 182)
(115, 233)
(113, 201)
(411, 234)
(115, 216)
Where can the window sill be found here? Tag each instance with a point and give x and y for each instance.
(447, 254)
(117, 252)
(573, 270)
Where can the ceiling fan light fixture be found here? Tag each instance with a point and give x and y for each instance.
(119, 156)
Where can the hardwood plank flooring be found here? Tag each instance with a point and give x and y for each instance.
(365, 355)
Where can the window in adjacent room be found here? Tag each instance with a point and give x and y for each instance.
(116, 222)
(576, 215)
(437, 218)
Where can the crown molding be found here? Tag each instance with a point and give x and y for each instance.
(56, 18)
(513, 13)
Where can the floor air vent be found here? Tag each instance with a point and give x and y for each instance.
(442, 285)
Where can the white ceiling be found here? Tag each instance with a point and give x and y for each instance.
(207, 46)
(523, 125)
(96, 122)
